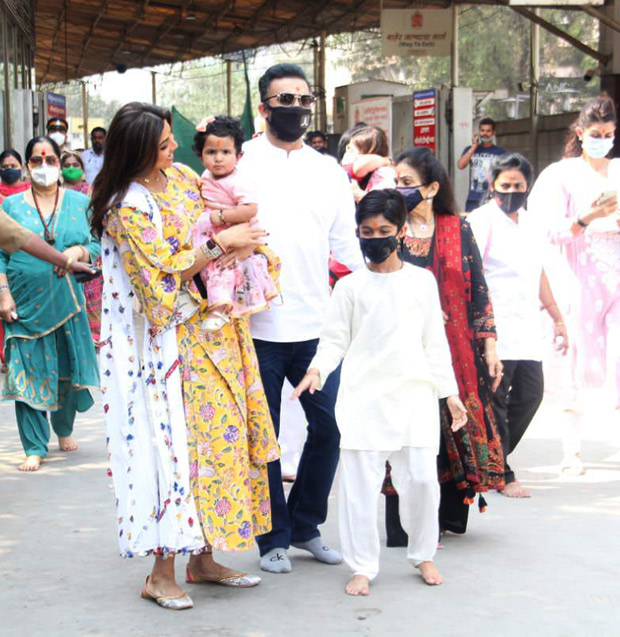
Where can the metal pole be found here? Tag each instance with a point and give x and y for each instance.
(455, 45)
(8, 134)
(315, 68)
(534, 73)
(229, 87)
(153, 87)
(85, 113)
(322, 98)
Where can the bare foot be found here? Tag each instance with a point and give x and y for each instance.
(32, 463)
(67, 444)
(515, 490)
(429, 573)
(206, 567)
(358, 585)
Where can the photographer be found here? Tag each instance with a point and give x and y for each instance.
(480, 156)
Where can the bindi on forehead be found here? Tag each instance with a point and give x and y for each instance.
(218, 143)
(375, 224)
(42, 153)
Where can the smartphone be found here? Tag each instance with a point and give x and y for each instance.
(608, 194)
(83, 277)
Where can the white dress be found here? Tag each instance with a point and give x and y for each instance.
(389, 330)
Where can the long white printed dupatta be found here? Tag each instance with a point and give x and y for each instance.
(144, 414)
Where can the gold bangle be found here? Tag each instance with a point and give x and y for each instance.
(68, 264)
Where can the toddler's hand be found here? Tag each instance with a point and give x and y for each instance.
(458, 412)
(310, 382)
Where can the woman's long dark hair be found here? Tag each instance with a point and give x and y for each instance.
(599, 110)
(430, 169)
(131, 149)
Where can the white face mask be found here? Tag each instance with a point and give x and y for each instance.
(597, 147)
(59, 138)
(45, 175)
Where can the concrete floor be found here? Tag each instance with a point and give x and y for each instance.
(545, 566)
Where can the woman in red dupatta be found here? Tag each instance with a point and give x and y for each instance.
(470, 460)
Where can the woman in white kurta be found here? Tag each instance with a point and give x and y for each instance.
(385, 325)
(577, 201)
(512, 250)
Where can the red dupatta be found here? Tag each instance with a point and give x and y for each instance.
(467, 448)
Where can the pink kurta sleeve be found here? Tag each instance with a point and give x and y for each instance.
(550, 202)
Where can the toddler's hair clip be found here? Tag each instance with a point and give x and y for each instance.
(201, 127)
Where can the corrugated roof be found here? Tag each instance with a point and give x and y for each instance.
(75, 38)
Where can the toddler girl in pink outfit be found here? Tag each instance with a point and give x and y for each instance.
(247, 287)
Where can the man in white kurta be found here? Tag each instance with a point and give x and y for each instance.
(387, 328)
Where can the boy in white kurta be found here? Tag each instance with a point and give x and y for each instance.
(385, 324)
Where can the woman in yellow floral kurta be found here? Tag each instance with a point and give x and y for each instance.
(228, 430)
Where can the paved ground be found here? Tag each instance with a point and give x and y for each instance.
(545, 566)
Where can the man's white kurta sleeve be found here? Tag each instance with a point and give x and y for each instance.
(343, 241)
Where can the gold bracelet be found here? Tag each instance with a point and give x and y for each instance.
(68, 264)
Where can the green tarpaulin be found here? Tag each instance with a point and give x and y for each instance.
(183, 131)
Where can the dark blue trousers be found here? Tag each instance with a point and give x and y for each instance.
(298, 519)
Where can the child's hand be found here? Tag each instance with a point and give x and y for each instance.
(310, 382)
(458, 412)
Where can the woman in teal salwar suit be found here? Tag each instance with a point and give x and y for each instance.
(49, 351)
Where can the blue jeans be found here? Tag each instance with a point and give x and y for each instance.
(298, 519)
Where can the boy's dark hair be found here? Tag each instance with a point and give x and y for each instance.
(487, 121)
(513, 161)
(98, 129)
(387, 202)
(430, 169)
(277, 72)
(371, 140)
(221, 126)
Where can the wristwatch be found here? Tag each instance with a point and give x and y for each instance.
(212, 250)
(581, 222)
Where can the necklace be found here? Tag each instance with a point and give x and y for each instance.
(423, 226)
(48, 228)
(146, 180)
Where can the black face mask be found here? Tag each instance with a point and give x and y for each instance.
(378, 250)
(97, 147)
(510, 202)
(413, 196)
(289, 123)
(10, 175)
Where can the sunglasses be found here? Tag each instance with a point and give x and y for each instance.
(288, 99)
(50, 160)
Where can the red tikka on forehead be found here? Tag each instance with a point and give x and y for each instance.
(42, 153)
(218, 142)
(375, 224)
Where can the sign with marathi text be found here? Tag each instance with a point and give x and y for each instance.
(425, 119)
(56, 105)
(374, 111)
(416, 31)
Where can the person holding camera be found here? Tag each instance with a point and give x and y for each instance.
(480, 157)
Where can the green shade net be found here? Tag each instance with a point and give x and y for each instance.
(183, 131)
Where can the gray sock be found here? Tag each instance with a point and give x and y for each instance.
(319, 550)
(276, 561)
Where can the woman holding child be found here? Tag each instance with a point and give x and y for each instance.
(189, 432)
